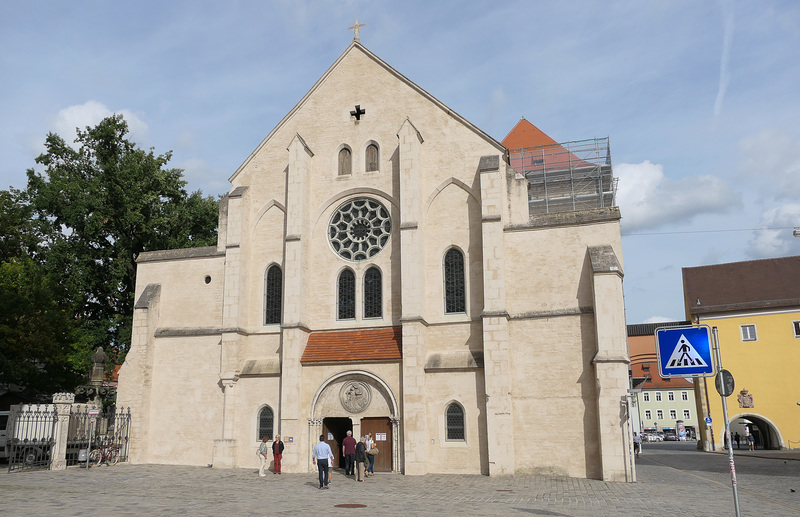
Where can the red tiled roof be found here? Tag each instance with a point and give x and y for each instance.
(530, 150)
(526, 134)
(354, 346)
(655, 380)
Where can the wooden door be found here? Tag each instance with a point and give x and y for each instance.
(381, 429)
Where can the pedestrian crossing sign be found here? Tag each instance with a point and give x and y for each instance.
(684, 351)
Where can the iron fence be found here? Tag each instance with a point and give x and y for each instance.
(31, 436)
(111, 429)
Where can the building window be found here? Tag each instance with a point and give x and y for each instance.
(684, 395)
(646, 397)
(272, 295)
(265, 421)
(748, 332)
(670, 396)
(373, 306)
(371, 158)
(796, 327)
(687, 414)
(454, 420)
(658, 396)
(648, 380)
(647, 414)
(345, 162)
(673, 414)
(359, 229)
(659, 414)
(455, 299)
(347, 295)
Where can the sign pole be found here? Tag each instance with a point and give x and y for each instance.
(727, 426)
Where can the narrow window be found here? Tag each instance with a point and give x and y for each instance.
(748, 332)
(684, 395)
(659, 414)
(455, 422)
(658, 396)
(687, 414)
(673, 414)
(265, 420)
(373, 293)
(646, 397)
(647, 414)
(272, 295)
(670, 396)
(796, 327)
(345, 162)
(371, 158)
(347, 295)
(455, 300)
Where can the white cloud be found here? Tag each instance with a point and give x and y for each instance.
(90, 113)
(648, 199)
(778, 242)
(658, 319)
(773, 159)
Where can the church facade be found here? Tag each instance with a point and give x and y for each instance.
(381, 268)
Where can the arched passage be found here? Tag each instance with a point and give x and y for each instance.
(360, 401)
(765, 433)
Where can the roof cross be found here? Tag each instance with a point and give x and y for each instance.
(355, 29)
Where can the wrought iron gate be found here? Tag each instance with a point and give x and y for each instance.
(111, 429)
(31, 436)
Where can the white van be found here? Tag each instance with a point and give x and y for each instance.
(4, 418)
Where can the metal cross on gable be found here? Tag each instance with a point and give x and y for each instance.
(355, 28)
(358, 112)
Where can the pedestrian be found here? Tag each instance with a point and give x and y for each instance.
(263, 450)
(736, 439)
(752, 441)
(321, 457)
(637, 443)
(277, 454)
(349, 451)
(361, 456)
(370, 457)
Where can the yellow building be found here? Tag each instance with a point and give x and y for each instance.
(755, 306)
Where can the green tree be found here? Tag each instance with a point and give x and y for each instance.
(100, 204)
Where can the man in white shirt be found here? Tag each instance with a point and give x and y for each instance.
(322, 456)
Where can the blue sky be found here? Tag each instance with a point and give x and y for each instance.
(699, 98)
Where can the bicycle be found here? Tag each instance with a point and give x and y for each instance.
(108, 454)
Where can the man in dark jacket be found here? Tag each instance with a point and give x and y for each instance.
(349, 451)
(361, 457)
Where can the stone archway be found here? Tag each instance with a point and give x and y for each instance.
(766, 433)
(357, 395)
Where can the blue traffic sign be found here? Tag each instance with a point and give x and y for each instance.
(684, 351)
(708, 419)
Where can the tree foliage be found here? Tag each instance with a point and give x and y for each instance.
(78, 228)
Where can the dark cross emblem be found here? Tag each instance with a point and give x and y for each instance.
(358, 112)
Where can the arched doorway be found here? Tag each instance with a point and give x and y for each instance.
(361, 402)
(766, 435)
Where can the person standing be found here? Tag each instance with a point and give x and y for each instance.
(349, 451)
(752, 441)
(736, 439)
(321, 457)
(361, 456)
(263, 450)
(370, 457)
(637, 443)
(277, 454)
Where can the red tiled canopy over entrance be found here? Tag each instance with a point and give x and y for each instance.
(354, 346)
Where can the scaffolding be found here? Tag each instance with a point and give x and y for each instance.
(567, 177)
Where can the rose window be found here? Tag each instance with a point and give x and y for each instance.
(359, 229)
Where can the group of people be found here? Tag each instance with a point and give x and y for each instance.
(750, 439)
(277, 454)
(359, 458)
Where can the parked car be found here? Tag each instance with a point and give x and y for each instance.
(4, 417)
(671, 437)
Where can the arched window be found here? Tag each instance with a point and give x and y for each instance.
(454, 422)
(265, 423)
(347, 295)
(455, 299)
(371, 158)
(345, 162)
(373, 293)
(272, 295)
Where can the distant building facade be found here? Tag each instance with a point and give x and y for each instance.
(381, 267)
(755, 306)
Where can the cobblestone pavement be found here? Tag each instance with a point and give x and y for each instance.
(674, 479)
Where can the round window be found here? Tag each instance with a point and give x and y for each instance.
(359, 229)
